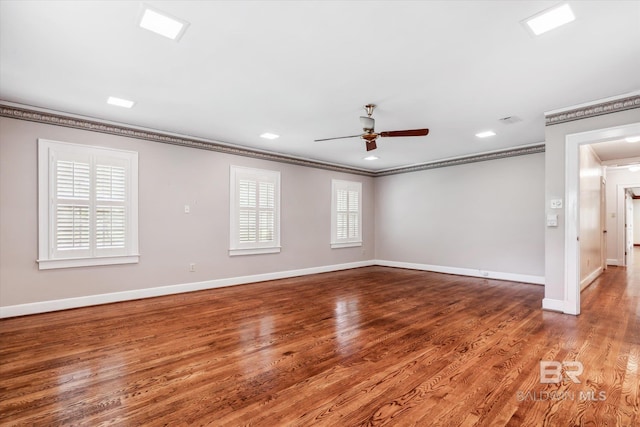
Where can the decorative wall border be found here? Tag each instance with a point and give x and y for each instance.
(495, 155)
(60, 119)
(131, 132)
(614, 106)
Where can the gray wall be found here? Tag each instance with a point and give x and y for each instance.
(169, 178)
(485, 216)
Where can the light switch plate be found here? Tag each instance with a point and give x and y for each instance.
(556, 204)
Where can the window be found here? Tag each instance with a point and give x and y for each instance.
(346, 214)
(88, 212)
(255, 211)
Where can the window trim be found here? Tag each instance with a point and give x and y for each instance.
(336, 243)
(235, 247)
(46, 258)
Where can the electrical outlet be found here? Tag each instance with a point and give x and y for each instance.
(556, 204)
(192, 267)
(187, 209)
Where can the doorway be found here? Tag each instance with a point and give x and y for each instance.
(628, 228)
(572, 218)
(632, 223)
(625, 226)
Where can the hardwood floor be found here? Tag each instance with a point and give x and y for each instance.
(371, 346)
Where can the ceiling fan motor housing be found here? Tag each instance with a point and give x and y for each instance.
(368, 123)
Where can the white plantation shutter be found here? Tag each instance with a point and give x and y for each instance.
(71, 205)
(73, 227)
(266, 212)
(267, 226)
(111, 207)
(110, 227)
(254, 211)
(342, 212)
(353, 228)
(73, 179)
(110, 183)
(346, 213)
(247, 222)
(88, 205)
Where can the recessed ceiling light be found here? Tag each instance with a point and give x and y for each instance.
(633, 139)
(371, 158)
(549, 19)
(119, 102)
(485, 134)
(162, 23)
(268, 135)
(634, 168)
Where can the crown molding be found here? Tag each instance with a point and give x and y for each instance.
(483, 157)
(34, 114)
(94, 125)
(597, 109)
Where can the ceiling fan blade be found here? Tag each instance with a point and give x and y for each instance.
(414, 132)
(339, 137)
(371, 144)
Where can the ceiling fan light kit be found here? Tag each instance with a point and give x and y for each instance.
(368, 127)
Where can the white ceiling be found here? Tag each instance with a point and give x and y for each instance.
(618, 152)
(304, 70)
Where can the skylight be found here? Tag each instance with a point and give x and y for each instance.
(485, 134)
(269, 135)
(162, 23)
(119, 102)
(549, 19)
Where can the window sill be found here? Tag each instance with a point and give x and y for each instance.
(49, 264)
(254, 251)
(345, 245)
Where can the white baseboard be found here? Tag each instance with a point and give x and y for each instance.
(553, 304)
(67, 303)
(512, 277)
(613, 262)
(590, 278)
(85, 301)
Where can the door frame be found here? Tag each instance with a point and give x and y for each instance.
(572, 198)
(603, 222)
(621, 207)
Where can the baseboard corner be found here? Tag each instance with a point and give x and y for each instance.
(551, 304)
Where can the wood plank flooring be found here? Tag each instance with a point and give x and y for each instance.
(370, 346)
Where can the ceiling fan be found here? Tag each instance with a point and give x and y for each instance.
(370, 135)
